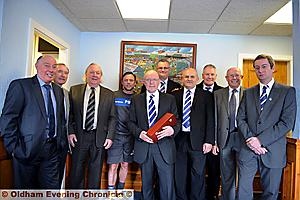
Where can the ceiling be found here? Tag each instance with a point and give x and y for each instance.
(237, 17)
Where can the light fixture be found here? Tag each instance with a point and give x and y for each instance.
(144, 9)
(282, 16)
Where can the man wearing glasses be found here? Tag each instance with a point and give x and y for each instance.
(166, 85)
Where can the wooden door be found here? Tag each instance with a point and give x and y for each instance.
(281, 74)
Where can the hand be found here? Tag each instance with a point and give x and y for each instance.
(215, 150)
(207, 147)
(253, 142)
(107, 144)
(144, 137)
(260, 151)
(165, 132)
(72, 139)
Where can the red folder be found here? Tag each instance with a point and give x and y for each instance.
(167, 119)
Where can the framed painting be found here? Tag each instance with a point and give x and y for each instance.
(139, 57)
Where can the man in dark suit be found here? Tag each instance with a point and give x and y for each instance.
(91, 128)
(194, 141)
(209, 76)
(33, 127)
(60, 78)
(146, 109)
(166, 85)
(266, 114)
(226, 135)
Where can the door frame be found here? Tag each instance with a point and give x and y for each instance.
(37, 29)
(288, 59)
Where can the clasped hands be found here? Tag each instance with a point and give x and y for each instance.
(165, 132)
(254, 144)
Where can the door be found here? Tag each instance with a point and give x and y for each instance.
(281, 73)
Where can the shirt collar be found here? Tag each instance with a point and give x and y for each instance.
(269, 85)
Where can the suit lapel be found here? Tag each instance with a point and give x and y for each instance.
(274, 94)
(225, 99)
(81, 98)
(39, 96)
(256, 98)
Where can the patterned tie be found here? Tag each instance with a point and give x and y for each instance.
(90, 112)
(187, 109)
(208, 88)
(162, 87)
(50, 112)
(232, 108)
(263, 97)
(151, 111)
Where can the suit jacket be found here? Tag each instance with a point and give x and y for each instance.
(201, 118)
(221, 99)
(106, 114)
(271, 125)
(216, 86)
(171, 85)
(24, 118)
(139, 122)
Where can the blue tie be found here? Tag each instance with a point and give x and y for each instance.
(50, 112)
(90, 111)
(187, 109)
(208, 88)
(151, 111)
(263, 97)
(162, 87)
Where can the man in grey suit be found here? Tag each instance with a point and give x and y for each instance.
(266, 114)
(226, 135)
(33, 127)
(60, 78)
(91, 128)
(146, 109)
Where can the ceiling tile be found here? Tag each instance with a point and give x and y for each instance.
(177, 26)
(152, 26)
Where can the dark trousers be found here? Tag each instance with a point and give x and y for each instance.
(189, 167)
(86, 154)
(40, 173)
(165, 173)
(213, 176)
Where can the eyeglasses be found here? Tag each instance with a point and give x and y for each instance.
(163, 68)
(148, 80)
(234, 75)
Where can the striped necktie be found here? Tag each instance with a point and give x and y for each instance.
(187, 109)
(90, 111)
(151, 111)
(162, 87)
(263, 97)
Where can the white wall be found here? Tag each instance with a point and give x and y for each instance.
(221, 50)
(15, 33)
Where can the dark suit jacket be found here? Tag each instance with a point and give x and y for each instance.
(201, 118)
(24, 118)
(139, 122)
(171, 85)
(106, 114)
(270, 125)
(221, 99)
(216, 86)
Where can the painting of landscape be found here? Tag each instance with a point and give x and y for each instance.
(138, 57)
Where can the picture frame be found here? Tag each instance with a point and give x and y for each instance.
(141, 56)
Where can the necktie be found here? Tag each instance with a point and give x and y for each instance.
(208, 89)
(151, 111)
(162, 87)
(90, 111)
(50, 112)
(187, 109)
(263, 97)
(232, 108)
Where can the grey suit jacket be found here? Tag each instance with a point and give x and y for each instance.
(221, 99)
(270, 126)
(139, 122)
(106, 114)
(24, 118)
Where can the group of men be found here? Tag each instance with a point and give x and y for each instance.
(218, 131)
